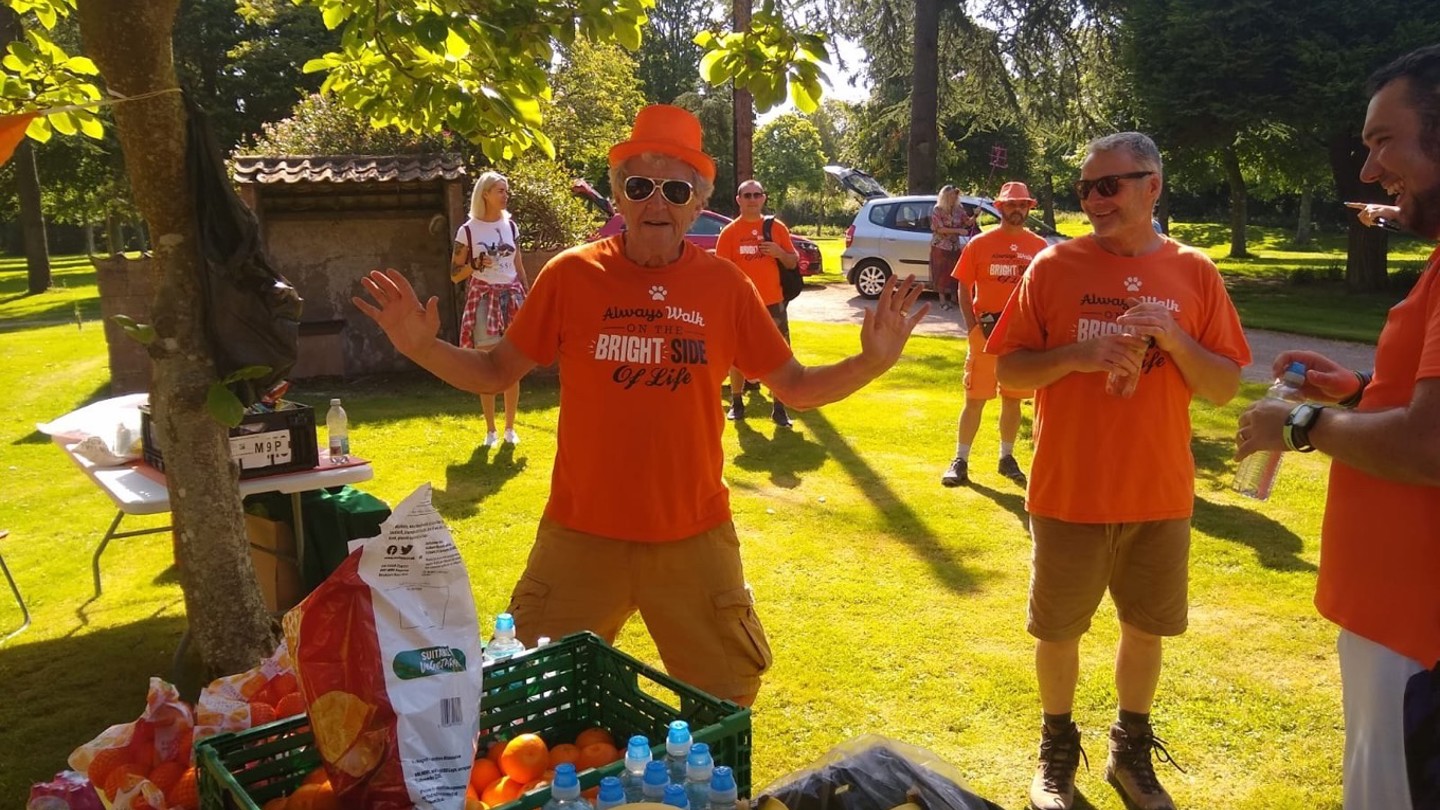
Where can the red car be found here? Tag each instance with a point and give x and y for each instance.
(704, 233)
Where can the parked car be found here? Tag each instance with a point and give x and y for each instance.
(704, 233)
(891, 235)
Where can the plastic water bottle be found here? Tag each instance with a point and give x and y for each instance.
(699, 767)
(565, 790)
(677, 748)
(675, 796)
(723, 792)
(1256, 474)
(612, 793)
(637, 756)
(657, 778)
(504, 644)
(337, 426)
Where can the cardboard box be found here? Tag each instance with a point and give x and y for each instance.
(272, 551)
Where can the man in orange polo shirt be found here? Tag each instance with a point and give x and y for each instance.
(989, 269)
(645, 327)
(1112, 486)
(743, 241)
(1379, 554)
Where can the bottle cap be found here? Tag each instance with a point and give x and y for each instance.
(638, 751)
(677, 742)
(656, 773)
(699, 755)
(611, 789)
(504, 622)
(565, 784)
(722, 779)
(335, 401)
(675, 796)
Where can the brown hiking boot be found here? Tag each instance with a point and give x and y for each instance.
(1053, 787)
(1131, 770)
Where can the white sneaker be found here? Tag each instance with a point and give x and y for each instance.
(511, 437)
(490, 440)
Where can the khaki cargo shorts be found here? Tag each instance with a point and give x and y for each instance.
(1145, 566)
(691, 594)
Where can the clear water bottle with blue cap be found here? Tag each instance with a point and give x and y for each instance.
(675, 796)
(565, 790)
(637, 756)
(677, 748)
(1255, 476)
(698, 768)
(612, 793)
(503, 644)
(657, 778)
(723, 792)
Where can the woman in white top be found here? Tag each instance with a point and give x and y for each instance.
(487, 253)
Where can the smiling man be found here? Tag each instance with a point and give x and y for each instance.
(645, 327)
(1112, 484)
(1379, 555)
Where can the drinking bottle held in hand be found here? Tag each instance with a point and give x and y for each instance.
(1256, 474)
(1122, 385)
(338, 428)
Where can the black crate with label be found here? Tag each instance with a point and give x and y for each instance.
(278, 441)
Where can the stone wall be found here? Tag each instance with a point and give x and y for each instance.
(125, 290)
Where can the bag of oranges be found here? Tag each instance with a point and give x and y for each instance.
(253, 698)
(387, 654)
(142, 765)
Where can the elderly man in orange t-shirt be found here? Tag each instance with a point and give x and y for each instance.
(744, 241)
(1112, 486)
(645, 327)
(1379, 553)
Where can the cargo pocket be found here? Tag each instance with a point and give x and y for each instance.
(527, 605)
(746, 647)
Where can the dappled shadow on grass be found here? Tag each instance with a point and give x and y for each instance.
(785, 456)
(1276, 547)
(469, 483)
(45, 680)
(901, 520)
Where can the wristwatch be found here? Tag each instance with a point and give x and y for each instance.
(1298, 424)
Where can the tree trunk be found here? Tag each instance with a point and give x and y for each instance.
(1047, 198)
(744, 110)
(90, 239)
(130, 42)
(924, 99)
(114, 234)
(1238, 219)
(27, 186)
(1366, 248)
(1302, 227)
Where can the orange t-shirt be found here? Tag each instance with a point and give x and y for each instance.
(642, 354)
(1101, 458)
(992, 263)
(1379, 555)
(740, 243)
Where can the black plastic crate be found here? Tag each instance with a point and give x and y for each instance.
(278, 441)
(556, 691)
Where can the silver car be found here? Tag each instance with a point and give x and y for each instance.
(891, 235)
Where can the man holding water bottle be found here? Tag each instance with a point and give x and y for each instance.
(1379, 555)
(1117, 331)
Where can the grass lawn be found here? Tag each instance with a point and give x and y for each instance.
(893, 605)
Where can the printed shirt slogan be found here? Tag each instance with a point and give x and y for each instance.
(1098, 314)
(651, 346)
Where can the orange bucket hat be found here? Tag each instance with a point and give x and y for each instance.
(1015, 191)
(666, 130)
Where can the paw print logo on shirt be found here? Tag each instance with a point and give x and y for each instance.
(1132, 284)
(658, 293)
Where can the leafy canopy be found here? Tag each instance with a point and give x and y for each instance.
(37, 74)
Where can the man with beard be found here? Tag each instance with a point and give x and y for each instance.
(988, 271)
(1379, 557)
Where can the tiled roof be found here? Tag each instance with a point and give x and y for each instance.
(348, 168)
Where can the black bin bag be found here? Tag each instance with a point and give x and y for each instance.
(873, 773)
(252, 314)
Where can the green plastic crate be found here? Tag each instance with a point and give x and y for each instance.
(556, 691)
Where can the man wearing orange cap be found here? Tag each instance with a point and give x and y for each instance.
(645, 327)
(989, 269)
(1112, 486)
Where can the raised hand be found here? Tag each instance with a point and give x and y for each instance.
(1325, 379)
(397, 310)
(888, 326)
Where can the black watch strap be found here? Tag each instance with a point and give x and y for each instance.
(1297, 426)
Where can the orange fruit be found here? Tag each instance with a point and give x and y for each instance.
(254, 682)
(482, 773)
(564, 752)
(494, 751)
(475, 804)
(119, 778)
(313, 797)
(284, 684)
(316, 777)
(261, 713)
(185, 794)
(166, 775)
(593, 794)
(105, 761)
(596, 755)
(502, 790)
(543, 780)
(593, 735)
(277, 803)
(185, 747)
(525, 758)
(290, 705)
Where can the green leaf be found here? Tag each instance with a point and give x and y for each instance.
(334, 14)
(806, 97)
(24, 55)
(318, 64)
(704, 38)
(223, 405)
(65, 123)
(90, 125)
(455, 45)
(710, 67)
(39, 129)
(81, 65)
(246, 373)
(142, 333)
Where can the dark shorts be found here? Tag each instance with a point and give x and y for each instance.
(781, 317)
